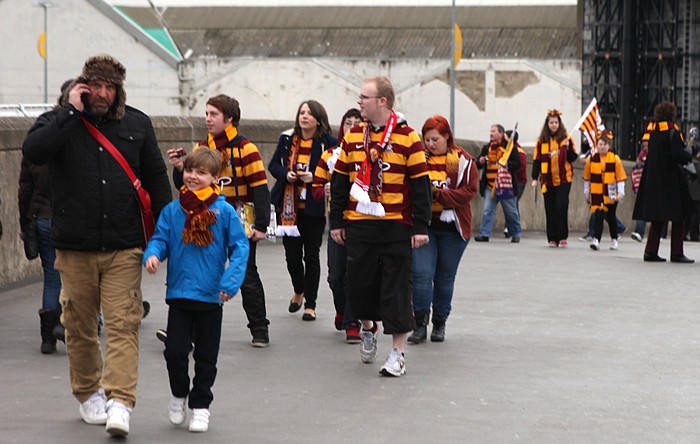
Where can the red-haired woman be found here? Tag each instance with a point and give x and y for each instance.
(554, 153)
(301, 218)
(454, 178)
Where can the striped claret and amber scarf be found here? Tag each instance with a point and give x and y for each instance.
(199, 217)
(661, 127)
(602, 175)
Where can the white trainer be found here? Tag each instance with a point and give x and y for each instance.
(176, 410)
(613, 244)
(94, 409)
(118, 416)
(368, 346)
(200, 420)
(395, 364)
(595, 244)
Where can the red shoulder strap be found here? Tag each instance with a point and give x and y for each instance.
(113, 151)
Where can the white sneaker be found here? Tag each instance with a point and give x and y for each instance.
(585, 238)
(595, 244)
(200, 420)
(176, 410)
(94, 410)
(395, 364)
(118, 416)
(368, 347)
(613, 244)
(636, 236)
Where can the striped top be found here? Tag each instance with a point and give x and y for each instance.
(402, 160)
(243, 166)
(554, 167)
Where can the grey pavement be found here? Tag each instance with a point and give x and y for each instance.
(543, 346)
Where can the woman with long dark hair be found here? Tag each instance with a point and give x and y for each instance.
(553, 156)
(301, 218)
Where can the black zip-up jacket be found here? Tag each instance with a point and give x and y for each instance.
(278, 168)
(94, 204)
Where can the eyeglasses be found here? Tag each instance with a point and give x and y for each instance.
(364, 97)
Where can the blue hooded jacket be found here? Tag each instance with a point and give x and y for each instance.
(200, 273)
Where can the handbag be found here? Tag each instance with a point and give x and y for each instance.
(148, 220)
(636, 177)
(504, 183)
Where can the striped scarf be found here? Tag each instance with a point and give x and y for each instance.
(602, 175)
(288, 215)
(199, 217)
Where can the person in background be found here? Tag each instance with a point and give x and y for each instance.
(301, 218)
(98, 232)
(521, 179)
(455, 181)
(663, 191)
(692, 223)
(35, 226)
(198, 234)
(242, 180)
(640, 225)
(488, 160)
(337, 254)
(552, 166)
(604, 187)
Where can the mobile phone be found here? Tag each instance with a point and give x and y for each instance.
(180, 152)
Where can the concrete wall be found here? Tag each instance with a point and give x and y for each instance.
(487, 91)
(184, 132)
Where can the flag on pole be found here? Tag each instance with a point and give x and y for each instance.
(590, 123)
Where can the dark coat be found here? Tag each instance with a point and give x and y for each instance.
(278, 169)
(33, 194)
(663, 191)
(94, 204)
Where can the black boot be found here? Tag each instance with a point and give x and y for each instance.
(48, 318)
(420, 334)
(438, 334)
(59, 332)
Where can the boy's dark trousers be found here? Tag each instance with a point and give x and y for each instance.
(205, 326)
(610, 217)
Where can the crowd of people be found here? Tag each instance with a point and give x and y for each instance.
(397, 204)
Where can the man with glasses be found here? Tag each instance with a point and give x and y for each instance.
(380, 209)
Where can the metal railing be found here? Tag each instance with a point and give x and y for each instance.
(24, 109)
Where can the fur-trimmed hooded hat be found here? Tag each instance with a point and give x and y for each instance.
(107, 68)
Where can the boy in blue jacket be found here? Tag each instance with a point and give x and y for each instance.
(197, 233)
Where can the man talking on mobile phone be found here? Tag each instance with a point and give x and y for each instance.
(98, 232)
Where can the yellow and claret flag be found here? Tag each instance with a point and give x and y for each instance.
(509, 148)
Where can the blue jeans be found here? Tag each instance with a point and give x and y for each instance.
(52, 279)
(640, 226)
(510, 211)
(434, 269)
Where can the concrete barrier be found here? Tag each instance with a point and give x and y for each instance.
(184, 132)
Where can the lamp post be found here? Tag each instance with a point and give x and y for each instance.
(452, 68)
(45, 4)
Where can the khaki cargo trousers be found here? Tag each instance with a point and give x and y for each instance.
(111, 281)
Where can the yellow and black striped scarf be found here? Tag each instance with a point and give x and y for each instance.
(602, 174)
